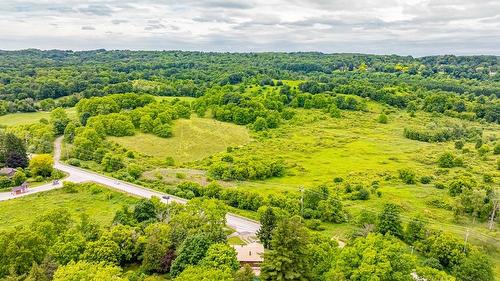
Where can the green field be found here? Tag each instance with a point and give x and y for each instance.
(99, 205)
(29, 117)
(193, 139)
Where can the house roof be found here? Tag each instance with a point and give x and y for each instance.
(21, 187)
(7, 170)
(252, 252)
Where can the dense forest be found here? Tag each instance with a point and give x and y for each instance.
(358, 167)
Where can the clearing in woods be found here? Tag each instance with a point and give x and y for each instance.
(24, 118)
(193, 139)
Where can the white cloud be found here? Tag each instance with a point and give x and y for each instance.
(415, 27)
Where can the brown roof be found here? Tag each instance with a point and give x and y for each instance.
(7, 171)
(252, 252)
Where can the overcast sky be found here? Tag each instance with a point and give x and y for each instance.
(406, 27)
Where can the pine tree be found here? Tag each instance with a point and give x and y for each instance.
(14, 152)
(289, 257)
(268, 223)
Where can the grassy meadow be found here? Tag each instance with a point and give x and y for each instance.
(193, 139)
(24, 118)
(98, 202)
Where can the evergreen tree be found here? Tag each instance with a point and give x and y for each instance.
(14, 152)
(289, 257)
(267, 225)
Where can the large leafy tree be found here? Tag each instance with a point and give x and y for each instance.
(221, 256)
(158, 254)
(331, 210)
(376, 257)
(191, 252)
(200, 273)
(288, 258)
(389, 221)
(42, 165)
(59, 120)
(85, 271)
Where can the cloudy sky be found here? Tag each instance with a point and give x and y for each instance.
(407, 27)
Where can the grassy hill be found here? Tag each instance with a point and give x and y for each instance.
(193, 139)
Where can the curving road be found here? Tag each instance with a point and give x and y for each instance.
(240, 224)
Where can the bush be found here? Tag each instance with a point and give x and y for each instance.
(407, 176)
(459, 144)
(112, 162)
(164, 131)
(496, 150)
(41, 165)
(69, 187)
(425, 179)
(5, 182)
(439, 185)
(487, 178)
(74, 162)
(169, 161)
(314, 224)
(382, 119)
(18, 178)
(338, 179)
(483, 150)
(448, 160)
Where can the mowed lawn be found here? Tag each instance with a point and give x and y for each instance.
(30, 117)
(100, 206)
(193, 139)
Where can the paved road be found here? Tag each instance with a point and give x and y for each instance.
(240, 224)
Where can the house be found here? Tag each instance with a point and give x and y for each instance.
(23, 188)
(251, 254)
(7, 172)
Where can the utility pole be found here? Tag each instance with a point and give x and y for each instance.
(466, 238)
(492, 218)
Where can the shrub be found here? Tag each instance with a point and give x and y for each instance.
(18, 178)
(496, 150)
(459, 144)
(487, 178)
(338, 179)
(334, 111)
(260, 124)
(74, 162)
(382, 119)
(164, 131)
(112, 162)
(479, 143)
(483, 150)
(169, 161)
(448, 160)
(134, 171)
(439, 185)
(407, 176)
(425, 179)
(314, 224)
(5, 182)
